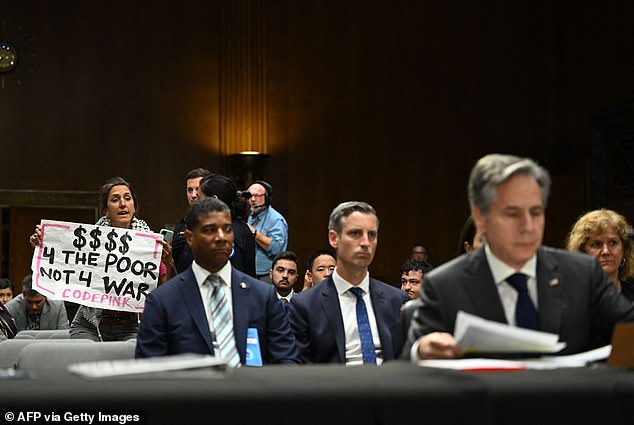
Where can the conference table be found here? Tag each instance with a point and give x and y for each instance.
(394, 393)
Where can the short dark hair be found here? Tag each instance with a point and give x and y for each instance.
(410, 265)
(105, 192)
(220, 186)
(27, 286)
(6, 283)
(317, 253)
(197, 172)
(285, 255)
(467, 234)
(203, 206)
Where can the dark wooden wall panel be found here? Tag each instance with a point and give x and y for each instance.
(385, 101)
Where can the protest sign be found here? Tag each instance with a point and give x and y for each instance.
(96, 266)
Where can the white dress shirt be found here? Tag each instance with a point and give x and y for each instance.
(508, 294)
(348, 304)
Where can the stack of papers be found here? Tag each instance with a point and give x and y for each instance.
(153, 365)
(476, 335)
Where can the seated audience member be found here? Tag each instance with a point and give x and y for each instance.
(604, 234)
(320, 265)
(470, 238)
(181, 252)
(284, 276)
(419, 252)
(210, 307)
(6, 290)
(412, 273)
(349, 318)
(513, 279)
(223, 188)
(33, 311)
(7, 324)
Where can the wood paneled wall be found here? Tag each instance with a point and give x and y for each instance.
(385, 101)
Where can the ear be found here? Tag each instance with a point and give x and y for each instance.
(333, 238)
(188, 236)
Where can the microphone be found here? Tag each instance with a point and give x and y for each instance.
(258, 206)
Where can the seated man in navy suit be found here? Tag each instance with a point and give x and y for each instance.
(210, 307)
(513, 279)
(349, 317)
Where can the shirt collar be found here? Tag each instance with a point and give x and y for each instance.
(201, 273)
(342, 285)
(501, 270)
(288, 297)
(259, 213)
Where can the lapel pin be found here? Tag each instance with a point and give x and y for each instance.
(243, 285)
(554, 282)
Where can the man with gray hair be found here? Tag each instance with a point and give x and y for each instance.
(513, 279)
(349, 317)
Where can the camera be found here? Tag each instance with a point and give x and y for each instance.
(244, 194)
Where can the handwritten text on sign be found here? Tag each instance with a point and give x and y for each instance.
(96, 266)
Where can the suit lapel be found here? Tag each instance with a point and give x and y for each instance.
(549, 292)
(188, 288)
(240, 303)
(332, 311)
(379, 306)
(46, 317)
(481, 288)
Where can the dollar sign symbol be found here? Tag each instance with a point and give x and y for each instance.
(111, 244)
(95, 233)
(124, 241)
(80, 242)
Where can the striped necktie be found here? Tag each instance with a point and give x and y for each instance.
(222, 322)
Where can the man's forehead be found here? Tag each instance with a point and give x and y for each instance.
(215, 217)
(195, 182)
(256, 188)
(358, 219)
(286, 264)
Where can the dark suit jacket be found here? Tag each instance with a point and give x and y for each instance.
(174, 320)
(575, 299)
(316, 321)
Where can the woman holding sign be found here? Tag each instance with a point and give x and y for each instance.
(119, 205)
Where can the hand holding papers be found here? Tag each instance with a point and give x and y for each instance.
(476, 335)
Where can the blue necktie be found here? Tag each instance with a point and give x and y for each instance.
(365, 333)
(284, 303)
(525, 313)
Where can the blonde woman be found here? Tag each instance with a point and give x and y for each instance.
(604, 234)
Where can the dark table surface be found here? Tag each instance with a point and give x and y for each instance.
(395, 393)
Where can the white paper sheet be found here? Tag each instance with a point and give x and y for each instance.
(476, 335)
